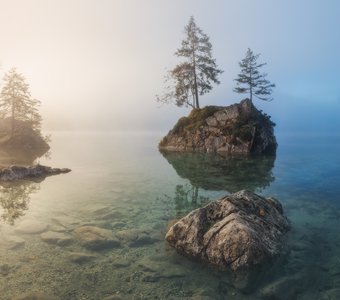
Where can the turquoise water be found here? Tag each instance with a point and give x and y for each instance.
(121, 182)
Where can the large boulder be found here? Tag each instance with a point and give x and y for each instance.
(236, 232)
(236, 129)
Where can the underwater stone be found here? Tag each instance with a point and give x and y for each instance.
(34, 296)
(235, 232)
(96, 238)
(31, 227)
(79, 257)
(56, 238)
(14, 242)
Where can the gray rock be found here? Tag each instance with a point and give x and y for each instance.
(34, 296)
(235, 129)
(235, 232)
(13, 242)
(20, 172)
(79, 257)
(135, 237)
(96, 238)
(31, 227)
(56, 238)
(5, 269)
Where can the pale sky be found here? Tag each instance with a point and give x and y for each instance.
(98, 64)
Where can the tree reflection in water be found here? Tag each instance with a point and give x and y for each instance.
(212, 172)
(14, 199)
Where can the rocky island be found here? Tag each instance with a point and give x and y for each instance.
(23, 146)
(236, 129)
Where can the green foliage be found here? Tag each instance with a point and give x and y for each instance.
(195, 74)
(195, 119)
(16, 102)
(250, 81)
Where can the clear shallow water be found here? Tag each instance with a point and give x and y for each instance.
(122, 183)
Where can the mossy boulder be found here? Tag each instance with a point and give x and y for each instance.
(236, 129)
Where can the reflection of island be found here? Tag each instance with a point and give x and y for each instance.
(214, 172)
(14, 199)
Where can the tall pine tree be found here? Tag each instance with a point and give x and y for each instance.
(250, 81)
(16, 102)
(194, 76)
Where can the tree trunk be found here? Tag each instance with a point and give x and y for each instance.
(13, 119)
(251, 94)
(195, 80)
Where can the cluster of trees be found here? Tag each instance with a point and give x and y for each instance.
(17, 104)
(195, 75)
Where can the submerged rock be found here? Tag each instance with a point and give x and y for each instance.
(96, 238)
(31, 227)
(34, 296)
(235, 232)
(20, 172)
(56, 238)
(235, 129)
(79, 257)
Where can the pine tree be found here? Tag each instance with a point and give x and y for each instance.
(16, 102)
(250, 81)
(194, 76)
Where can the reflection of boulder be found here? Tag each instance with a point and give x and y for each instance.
(214, 172)
(14, 199)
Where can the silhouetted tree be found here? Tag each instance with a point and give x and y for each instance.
(250, 81)
(195, 75)
(16, 101)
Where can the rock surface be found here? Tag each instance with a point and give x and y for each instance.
(56, 238)
(34, 296)
(235, 232)
(235, 129)
(20, 172)
(96, 238)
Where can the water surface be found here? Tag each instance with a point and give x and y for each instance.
(121, 182)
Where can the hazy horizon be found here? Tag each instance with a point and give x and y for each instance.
(97, 65)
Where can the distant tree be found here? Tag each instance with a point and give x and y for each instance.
(195, 75)
(250, 81)
(16, 102)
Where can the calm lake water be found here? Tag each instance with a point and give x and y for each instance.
(120, 182)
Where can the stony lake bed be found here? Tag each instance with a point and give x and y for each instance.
(98, 232)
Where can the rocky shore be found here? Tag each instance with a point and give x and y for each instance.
(12, 173)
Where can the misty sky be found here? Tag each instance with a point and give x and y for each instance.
(98, 64)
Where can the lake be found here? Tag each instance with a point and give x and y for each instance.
(121, 183)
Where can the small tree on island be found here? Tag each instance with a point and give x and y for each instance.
(195, 75)
(250, 81)
(16, 102)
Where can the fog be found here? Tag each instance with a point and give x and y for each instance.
(97, 65)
